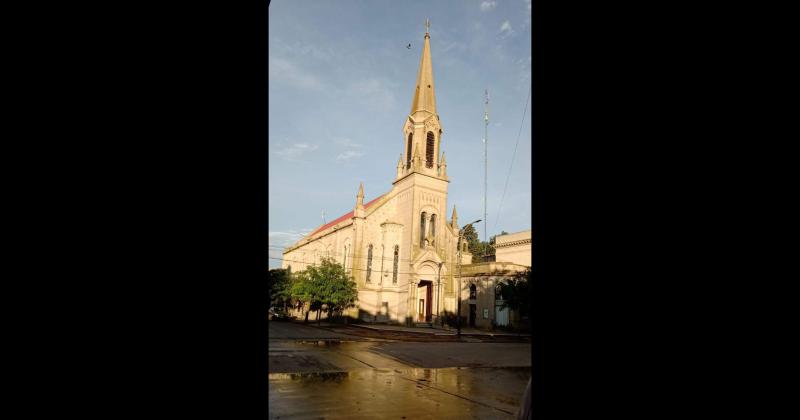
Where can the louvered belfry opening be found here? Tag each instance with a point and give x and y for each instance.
(408, 153)
(429, 151)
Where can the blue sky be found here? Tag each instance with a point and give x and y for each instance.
(341, 82)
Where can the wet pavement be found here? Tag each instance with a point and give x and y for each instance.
(314, 373)
(410, 393)
(292, 330)
(336, 355)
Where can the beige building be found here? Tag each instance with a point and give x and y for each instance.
(479, 282)
(399, 247)
(514, 248)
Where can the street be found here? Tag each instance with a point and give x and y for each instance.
(317, 373)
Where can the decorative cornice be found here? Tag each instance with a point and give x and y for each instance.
(512, 243)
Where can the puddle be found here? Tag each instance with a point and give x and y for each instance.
(310, 376)
(321, 343)
(394, 393)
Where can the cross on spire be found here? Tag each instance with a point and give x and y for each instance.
(427, 25)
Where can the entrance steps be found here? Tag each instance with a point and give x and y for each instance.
(423, 324)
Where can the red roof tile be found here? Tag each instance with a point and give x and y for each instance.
(343, 218)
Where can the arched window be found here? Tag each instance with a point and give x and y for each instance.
(369, 262)
(344, 262)
(422, 229)
(396, 259)
(408, 152)
(433, 226)
(429, 151)
(473, 291)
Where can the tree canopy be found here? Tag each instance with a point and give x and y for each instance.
(325, 284)
(278, 286)
(477, 247)
(516, 293)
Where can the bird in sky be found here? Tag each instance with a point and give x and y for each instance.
(408, 46)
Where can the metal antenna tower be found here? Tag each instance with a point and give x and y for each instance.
(485, 162)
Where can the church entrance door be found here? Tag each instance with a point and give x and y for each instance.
(425, 312)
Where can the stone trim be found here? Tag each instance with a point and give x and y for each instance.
(512, 243)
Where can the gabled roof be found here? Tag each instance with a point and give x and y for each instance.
(342, 218)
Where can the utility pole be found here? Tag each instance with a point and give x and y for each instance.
(439, 294)
(458, 261)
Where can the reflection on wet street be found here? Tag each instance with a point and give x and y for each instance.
(314, 374)
(410, 393)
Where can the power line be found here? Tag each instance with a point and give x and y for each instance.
(454, 275)
(353, 268)
(360, 269)
(391, 257)
(525, 111)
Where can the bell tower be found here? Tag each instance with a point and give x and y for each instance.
(422, 131)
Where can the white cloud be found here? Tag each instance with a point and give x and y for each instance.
(293, 152)
(278, 241)
(282, 70)
(505, 28)
(278, 238)
(350, 154)
(345, 142)
(353, 149)
(488, 5)
(377, 92)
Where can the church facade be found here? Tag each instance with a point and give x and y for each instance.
(399, 248)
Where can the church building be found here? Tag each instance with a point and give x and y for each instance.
(399, 247)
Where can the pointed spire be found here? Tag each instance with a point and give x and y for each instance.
(400, 166)
(454, 219)
(360, 196)
(424, 97)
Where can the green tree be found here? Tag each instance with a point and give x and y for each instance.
(304, 291)
(470, 235)
(517, 293)
(278, 287)
(339, 291)
(480, 250)
(325, 285)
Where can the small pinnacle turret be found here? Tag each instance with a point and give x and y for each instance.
(360, 196)
(359, 210)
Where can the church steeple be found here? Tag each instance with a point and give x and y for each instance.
(424, 96)
(422, 132)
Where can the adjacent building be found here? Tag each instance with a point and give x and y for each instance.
(480, 292)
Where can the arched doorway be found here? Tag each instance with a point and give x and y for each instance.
(424, 301)
(473, 307)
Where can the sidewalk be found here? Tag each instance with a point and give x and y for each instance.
(437, 330)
